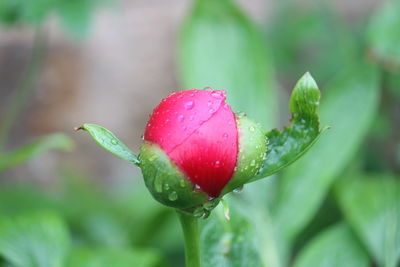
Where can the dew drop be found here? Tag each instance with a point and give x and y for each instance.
(217, 164)
(114, 141)
(197, 187)
(158, 185)
(211, 110)
(181, 118)
(209, 103)
(218, 94)
(253, 163)
(141, 137)
(238, 190)
(207, 88)
(182, 183)
(225, 136)
(167, 120)
(173, 196)
(166, 187)
(252, 129)
(189, 105)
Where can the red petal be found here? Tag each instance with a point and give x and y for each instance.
(179, 115)
(208, 156)
(198, 132)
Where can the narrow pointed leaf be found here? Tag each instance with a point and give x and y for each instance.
(110, 142)
(372, 208)
(337, 246)
(32, 240)
(349, 106)
(31, 150)
(288, 145)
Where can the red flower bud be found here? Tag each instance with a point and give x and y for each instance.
(195, 145)
(197, 130)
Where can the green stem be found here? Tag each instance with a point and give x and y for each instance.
(191, 235)
(22, 93)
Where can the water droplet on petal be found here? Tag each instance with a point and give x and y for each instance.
(209, 103)
(211, 110)
(217, 164)
(189, 105)
(207, 88)
(225, 136)
(191, 117)
(218, 94)
(173, 196)
(181, 118)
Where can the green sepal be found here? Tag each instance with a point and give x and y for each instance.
(167, 184)
(252, 152)
(286, 146)
(110, 142)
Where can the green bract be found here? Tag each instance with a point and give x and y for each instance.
(252, 151)
(165, 181)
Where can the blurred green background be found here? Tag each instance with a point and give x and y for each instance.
(66, 202)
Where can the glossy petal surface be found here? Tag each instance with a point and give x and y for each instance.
(197, 129)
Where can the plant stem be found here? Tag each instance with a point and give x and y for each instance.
(26, 85)
(191, 235)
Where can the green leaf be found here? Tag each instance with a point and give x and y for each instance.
(300, 42)
(372, 207)
(221, 48)
(22, 154)
(34, 240)
(336, 246)
(75, 15)
(118, 257)
(110, 142)
(349, 106)
(229, 242)
(384, 36)
(288, 145)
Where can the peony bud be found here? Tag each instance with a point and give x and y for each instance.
(196, 149)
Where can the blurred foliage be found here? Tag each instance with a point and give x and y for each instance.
(74, 15)
(337, 206)
(33, 149)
